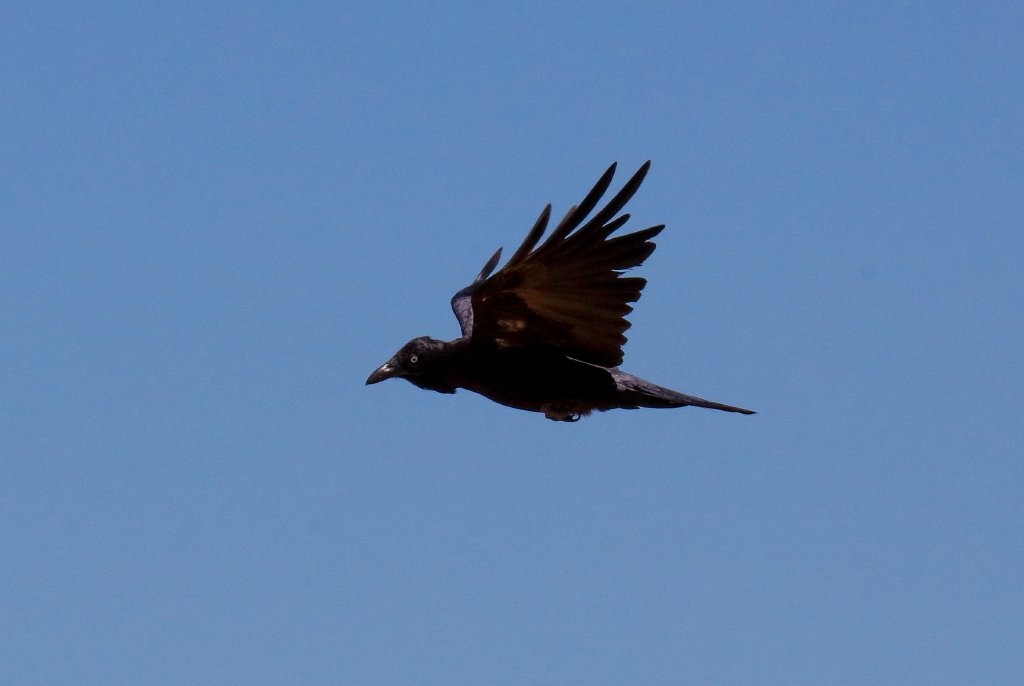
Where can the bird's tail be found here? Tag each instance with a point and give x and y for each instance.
(641, 393)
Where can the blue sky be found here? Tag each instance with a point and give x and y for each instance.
(218, 218)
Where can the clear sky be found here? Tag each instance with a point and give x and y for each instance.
(217, 218)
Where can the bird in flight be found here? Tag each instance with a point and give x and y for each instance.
(545, 332)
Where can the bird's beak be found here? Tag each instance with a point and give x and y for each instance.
(385, 371)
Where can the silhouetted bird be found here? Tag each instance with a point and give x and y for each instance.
(545, 333)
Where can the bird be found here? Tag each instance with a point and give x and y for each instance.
(545, 332)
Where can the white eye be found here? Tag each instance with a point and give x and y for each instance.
(413, 359)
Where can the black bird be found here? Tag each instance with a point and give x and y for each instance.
(545, 333)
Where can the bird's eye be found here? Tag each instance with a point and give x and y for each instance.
(413, 359)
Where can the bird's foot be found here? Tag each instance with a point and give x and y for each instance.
(561, 414)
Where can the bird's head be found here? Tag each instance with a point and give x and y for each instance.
(418, 363)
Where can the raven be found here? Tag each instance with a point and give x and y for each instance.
(545, 332)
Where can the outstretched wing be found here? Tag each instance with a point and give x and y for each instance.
(570, 291)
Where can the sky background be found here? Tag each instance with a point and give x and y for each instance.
(217, 218)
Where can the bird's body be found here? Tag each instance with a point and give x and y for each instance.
(545, 332)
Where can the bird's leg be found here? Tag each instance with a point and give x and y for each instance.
(561, 413)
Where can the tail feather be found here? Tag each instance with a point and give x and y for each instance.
(641, 393)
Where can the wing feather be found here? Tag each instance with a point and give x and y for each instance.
(570, 291)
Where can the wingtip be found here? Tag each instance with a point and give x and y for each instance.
(645, 166)
(605, 180)
(641, 173)
(489, 267)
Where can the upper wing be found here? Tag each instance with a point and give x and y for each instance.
(569, 292)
